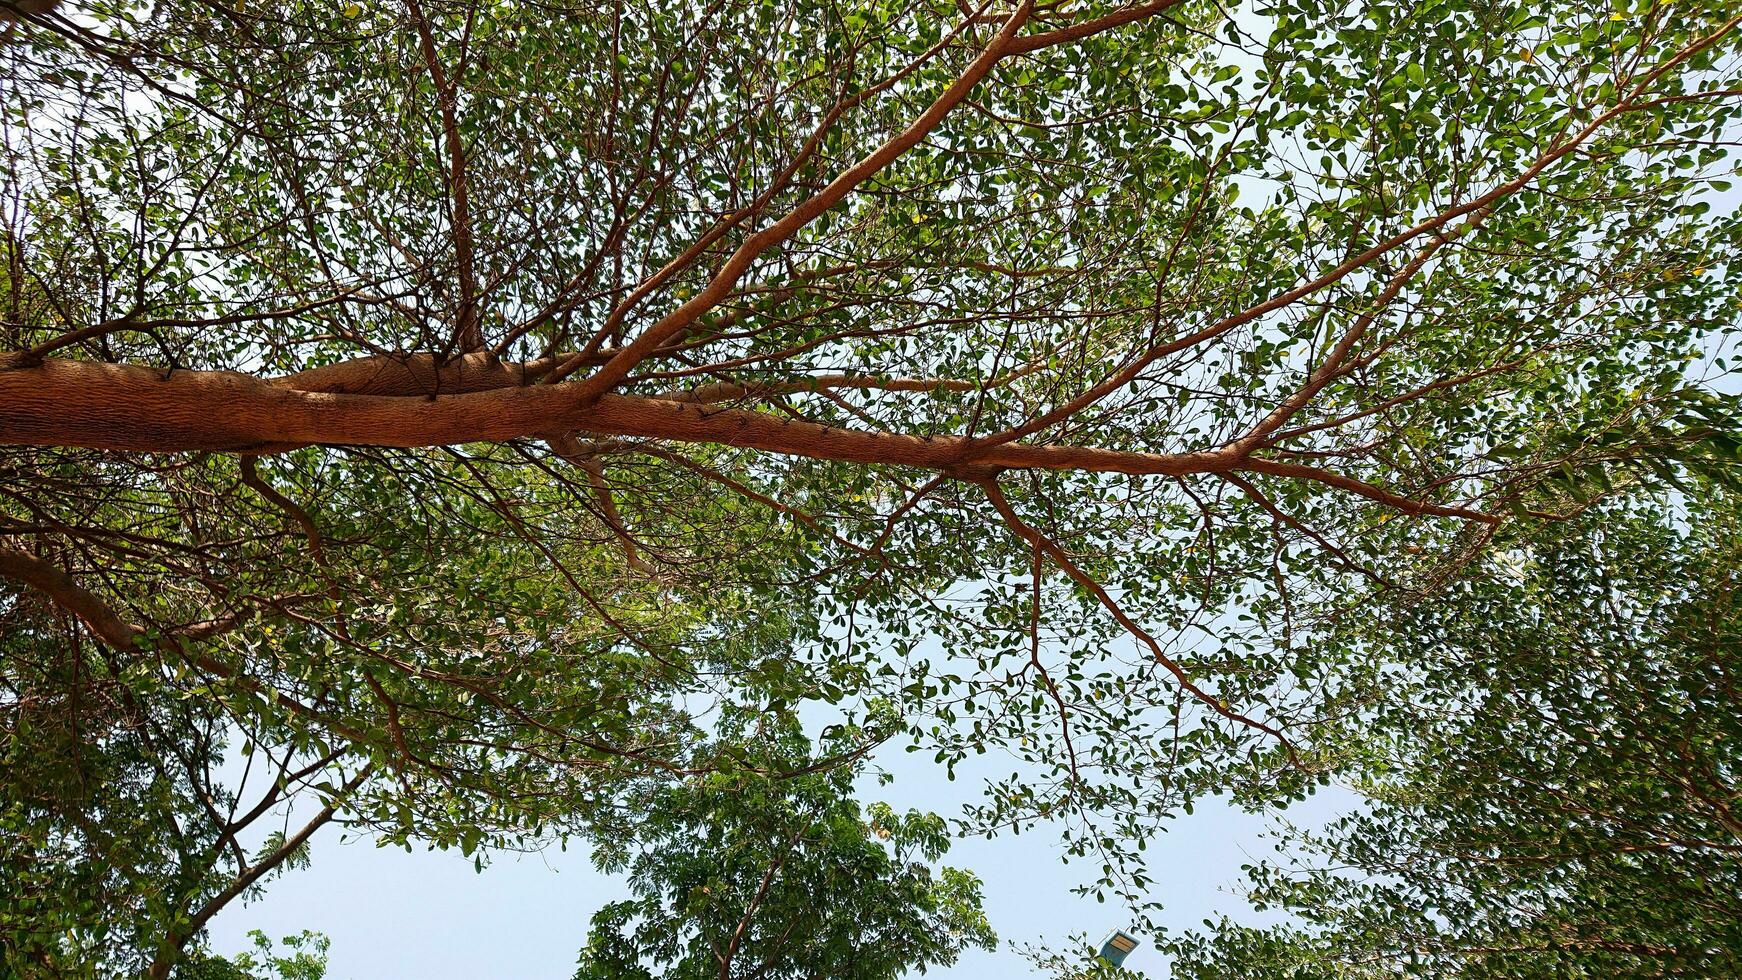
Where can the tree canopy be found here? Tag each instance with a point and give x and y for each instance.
(1554, 794)
(455, 412)
(741, 875)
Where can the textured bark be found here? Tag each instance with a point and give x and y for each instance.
(12, 10)
(422, 374)
(140, 409)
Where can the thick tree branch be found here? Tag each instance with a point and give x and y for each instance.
(126, 407)
(1088, 28)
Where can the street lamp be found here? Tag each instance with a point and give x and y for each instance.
(1118, 946)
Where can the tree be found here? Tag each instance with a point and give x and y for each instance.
(1554, 792)
(120, 836)
(306, 960)
(741, 875)
(471, 395)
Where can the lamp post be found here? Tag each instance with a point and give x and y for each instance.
(1116, 947)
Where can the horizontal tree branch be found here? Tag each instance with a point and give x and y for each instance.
(140, 409)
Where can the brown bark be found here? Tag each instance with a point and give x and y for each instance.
(468, 329)
(139, 409)
(18, 9)
(50, 580)
(675, 323)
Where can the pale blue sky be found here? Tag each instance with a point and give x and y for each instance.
(428, 915)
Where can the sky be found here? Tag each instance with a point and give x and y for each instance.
(429, 915)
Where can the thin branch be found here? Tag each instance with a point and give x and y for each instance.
(1393, 500)
(170, 952)
(722, 283)
(1063, 561)
(573, 453)
(468, 329)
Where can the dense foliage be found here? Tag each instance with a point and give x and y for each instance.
(741, 875)
(1554, 788)
(447, 412)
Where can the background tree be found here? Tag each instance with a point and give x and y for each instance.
(476, 395)
(742, 875)
(304, 957)
(1553, 784)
